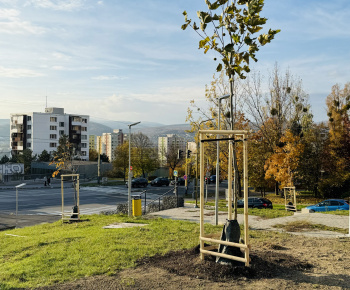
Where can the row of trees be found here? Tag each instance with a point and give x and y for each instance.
(286, 147)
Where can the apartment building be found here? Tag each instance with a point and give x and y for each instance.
(166, 143)
(41, 131)
(109, 142)
(92, 142)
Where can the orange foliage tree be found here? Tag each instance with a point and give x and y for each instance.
(283, 163)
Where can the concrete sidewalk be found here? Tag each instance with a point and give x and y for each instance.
(189, 213)
(10, 221)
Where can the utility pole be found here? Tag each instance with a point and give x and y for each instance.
(130, 171)
(99, 161)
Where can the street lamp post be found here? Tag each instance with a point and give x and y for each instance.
(198, 126)
(18, 186)
(218, 162)
(129, 176)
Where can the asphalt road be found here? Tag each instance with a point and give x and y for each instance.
(48, 201)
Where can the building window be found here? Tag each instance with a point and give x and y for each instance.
(76, 119)
(53, 119)
(84, 120)
(53, 127)
(29, 118)
(83, 137)
(53, 136)
(83, 153)
(53, 145)
(61, 132)
(29, 145)
(29, 127)
(83, 145)
(29, 136)
(83, 128)
(61, 124)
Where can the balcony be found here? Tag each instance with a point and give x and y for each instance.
(17, 129)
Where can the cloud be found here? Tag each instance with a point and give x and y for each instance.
(60, 56)
(62, 5)
(10, 23)
(18, 73)
(107, 78)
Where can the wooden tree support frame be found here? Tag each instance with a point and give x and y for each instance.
(246, 246)
(67, 216)
(290, 198)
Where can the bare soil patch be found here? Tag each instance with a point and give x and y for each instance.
(277, 261)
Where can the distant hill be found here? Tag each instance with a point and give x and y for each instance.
(147, 128)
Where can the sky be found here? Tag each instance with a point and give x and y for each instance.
(119, 60)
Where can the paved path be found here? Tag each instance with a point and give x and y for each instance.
(190, 213)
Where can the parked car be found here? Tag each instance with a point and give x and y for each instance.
(256, 202)
(138, 182)
(329, 205)
(212, 179)
(159, 181)
(180, 181)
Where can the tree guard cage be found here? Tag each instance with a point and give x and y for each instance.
(73, 215)
(290, 199)
(245, 246)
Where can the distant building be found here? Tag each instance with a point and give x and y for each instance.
(109, 142)
(92, 142)
(41, 131)
(165, 144)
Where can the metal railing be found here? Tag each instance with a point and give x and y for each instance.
(154, 200)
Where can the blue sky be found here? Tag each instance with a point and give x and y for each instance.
(130, 61)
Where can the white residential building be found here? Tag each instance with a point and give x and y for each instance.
(109, 142)
(41, 131)
(165, 144)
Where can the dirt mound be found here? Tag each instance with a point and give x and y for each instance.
(184, 270)
(264, 264)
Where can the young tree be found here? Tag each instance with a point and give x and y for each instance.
(63, 155)
(121, 159)
(233, 35)
(4, 159)
(104, 157)
(145, 156)
(282, 165)
(26, 157)
(337, 170)
(44, 156)
(93, 155)
(172, 157)
(285, 107)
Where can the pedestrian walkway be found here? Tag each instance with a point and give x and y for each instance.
(189, 213)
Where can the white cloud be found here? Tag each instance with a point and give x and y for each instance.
(63, 5)
(18, 73)
(10, 23)
(60, 56)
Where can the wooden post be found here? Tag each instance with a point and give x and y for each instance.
(201, 193)
(229, 179)
(245, 177)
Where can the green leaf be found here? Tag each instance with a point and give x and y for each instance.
(184, 26)
(219, 67)
(229, 47)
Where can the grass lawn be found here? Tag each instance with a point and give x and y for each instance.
(54, 253)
